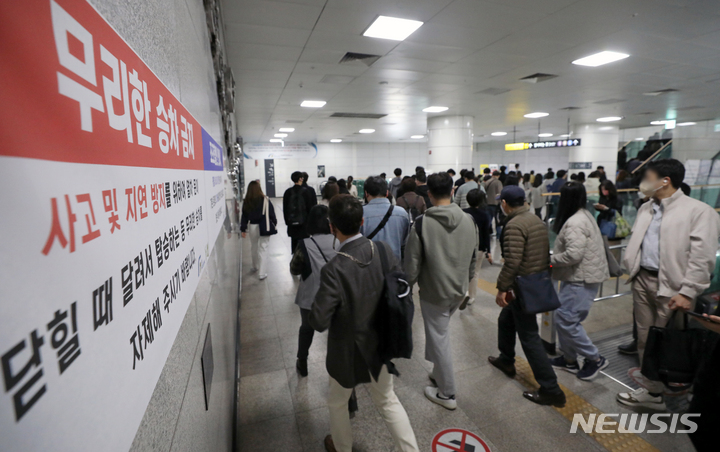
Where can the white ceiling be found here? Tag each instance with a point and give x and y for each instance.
(281, 50)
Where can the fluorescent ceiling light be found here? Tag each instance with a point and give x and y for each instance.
(545, 135)
(276, 140)
(392, 28)
(434, 109)
(286, 129)
(606, 128)
(609, 119)
(498, 134)
(417, 137)
(280, 135)
(670, 124)
(565, 135)
(658, 123)
(640, 139)
(537, 114)
(601, 58)
(313, 103)
(336, 140)
(367, 130)
(683, 124)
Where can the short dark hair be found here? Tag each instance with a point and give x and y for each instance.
(408, 185)
(332, 179)
(561, 173)
(476, 198)
(346, 214)
(463, 171)
(296, 176)
(306, 176)
(421, 177)
(496, 173)
(317, 220)
(503, 168)
(669, 168)
(511, 180)
(550, 175)
(573, 197)
(440, 185)
(383, 175)
(600, 167)
(487, 171)
(469, 174)
(418, 169)
(397, 172)
(376, 186)
(451, 171)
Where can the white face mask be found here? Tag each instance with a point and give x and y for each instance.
(647, 189)
(502, 210)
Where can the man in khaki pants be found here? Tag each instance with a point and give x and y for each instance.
(670, 257)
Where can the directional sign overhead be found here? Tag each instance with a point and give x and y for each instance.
(573, 142)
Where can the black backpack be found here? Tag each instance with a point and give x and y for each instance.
(394, 316)
(298, 211)
(412, 210)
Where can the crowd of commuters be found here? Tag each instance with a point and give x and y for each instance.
(436, 231)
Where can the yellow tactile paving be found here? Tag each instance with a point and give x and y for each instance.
(614, 442)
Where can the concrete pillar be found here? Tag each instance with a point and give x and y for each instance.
(599, 147)
(450, 143)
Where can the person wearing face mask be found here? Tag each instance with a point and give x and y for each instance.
(670, 258)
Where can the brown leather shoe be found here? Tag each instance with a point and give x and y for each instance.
(543, 398)
(507, 368)
(329, 446)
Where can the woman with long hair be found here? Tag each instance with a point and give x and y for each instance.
(331, 189)
(609, 202)
(342, 187)
(310, 257)
(258, 219)
(351, 187)
(579, 263)
(527, 185)
(535, 196)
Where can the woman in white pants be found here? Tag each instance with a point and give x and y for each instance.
(258, 219)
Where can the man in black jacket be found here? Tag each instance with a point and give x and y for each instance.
(351, 284)
(297, 202)
(422, 188)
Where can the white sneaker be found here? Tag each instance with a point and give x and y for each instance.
(261, 277)
(433, 394)
(641, 398)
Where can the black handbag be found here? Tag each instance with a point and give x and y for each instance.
(536, 293)
(674, 355)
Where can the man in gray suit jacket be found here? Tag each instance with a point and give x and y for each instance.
(351, 284)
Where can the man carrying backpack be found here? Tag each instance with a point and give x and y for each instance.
(440, 256)
(413, 203)
(351, 286)
(384, 222)
(297, 202)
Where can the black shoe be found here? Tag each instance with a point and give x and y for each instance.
(301, 366)
(543, 398)
(329, 445)
(507, 368)
(628, 349)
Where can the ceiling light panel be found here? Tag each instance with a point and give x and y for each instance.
(609, 119)
(336, 140)
(280, 135)
(545, 135)
(498, 134)
(286, 129)
(367, 130)
(313, 103)
(393, 28)
(537, 114)
(601, 58)
(417, 137)
(435, 109)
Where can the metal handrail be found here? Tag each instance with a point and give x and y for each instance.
(652, 156)
(617, 293)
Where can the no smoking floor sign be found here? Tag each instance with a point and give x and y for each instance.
(458, 440)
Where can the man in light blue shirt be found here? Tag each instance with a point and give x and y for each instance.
(650, 257)
(464, 189)
(395, 231)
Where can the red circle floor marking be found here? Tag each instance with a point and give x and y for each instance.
(464, 434)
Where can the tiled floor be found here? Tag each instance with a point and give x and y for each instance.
(280, 412)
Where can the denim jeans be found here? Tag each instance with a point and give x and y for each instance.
(576, 299)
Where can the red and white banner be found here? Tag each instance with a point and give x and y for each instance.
(112, 198)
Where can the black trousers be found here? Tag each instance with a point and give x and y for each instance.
(538, 212)
(706, 402)
(305, 335)
(511, 321)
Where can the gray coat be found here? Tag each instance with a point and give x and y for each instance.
(579, 254)
(307, 261)
(346, 303)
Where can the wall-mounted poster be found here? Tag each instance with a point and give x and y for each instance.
(112, 198)
(321, 171)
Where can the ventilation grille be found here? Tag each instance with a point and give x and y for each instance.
(493, 91)
(537, 78)
(609, 101)
(694, 107)
(661, 92)
(570, 108)
(358, 115)
(294, 121)
(364, 58)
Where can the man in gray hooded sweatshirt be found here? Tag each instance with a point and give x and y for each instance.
(440, 257)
